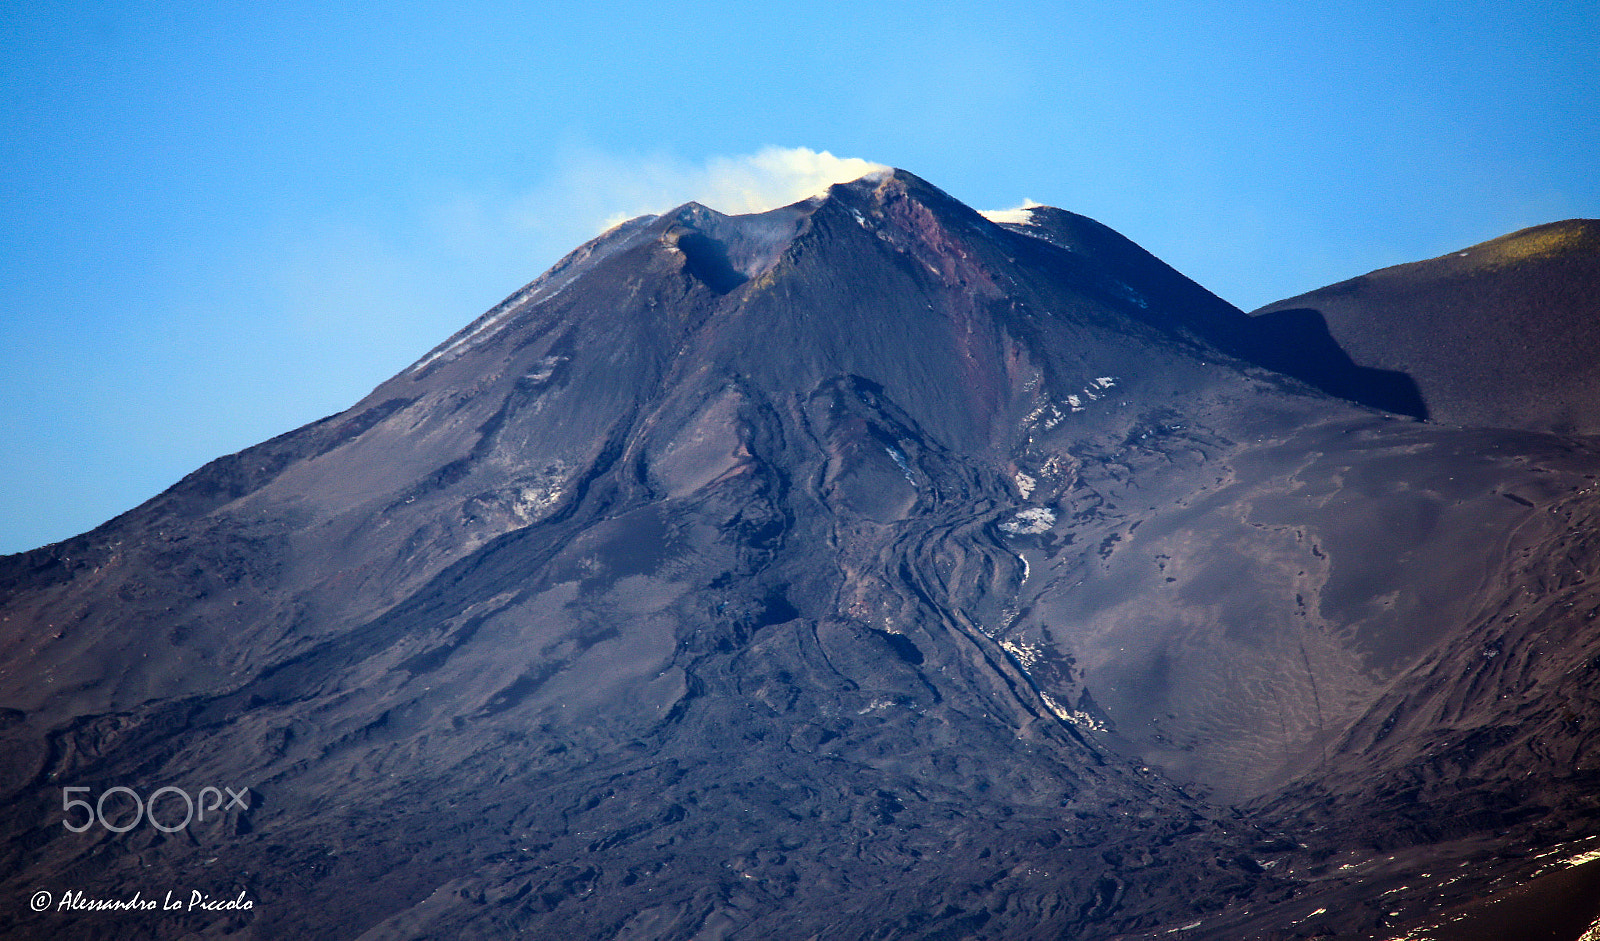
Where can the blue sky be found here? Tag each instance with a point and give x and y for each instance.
(219, 222)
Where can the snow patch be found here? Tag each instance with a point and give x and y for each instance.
(1026, 654)
(544, 369)
(531, 503)
(1049, 414)
(1025, 484)
(1093, 391)
(1077, 717)
(877, 705)
(1030, 522)
(1593, 934)
(1582, 858)
(900, 460)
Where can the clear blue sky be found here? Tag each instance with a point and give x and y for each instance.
(221, 221)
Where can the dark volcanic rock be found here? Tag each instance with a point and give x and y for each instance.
(1495, 335)
(1296, 343)
(860, 569)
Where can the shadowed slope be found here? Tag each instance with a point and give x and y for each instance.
(1297, 344)
(1496, 335)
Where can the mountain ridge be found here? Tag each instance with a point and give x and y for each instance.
(1487, 331)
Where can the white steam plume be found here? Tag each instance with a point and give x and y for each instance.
(773, 177)
(1020, 215)
(604, 189)
(338, 282)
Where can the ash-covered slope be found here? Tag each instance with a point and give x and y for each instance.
(860, 569)
(1296, 344)
(1496, 335)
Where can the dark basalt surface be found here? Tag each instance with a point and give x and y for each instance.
(861, 569)
(1495, 335)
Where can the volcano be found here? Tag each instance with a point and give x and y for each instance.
(868, 568)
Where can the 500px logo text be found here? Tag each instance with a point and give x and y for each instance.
(178, 809)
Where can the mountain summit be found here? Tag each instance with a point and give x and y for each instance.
(865, 568)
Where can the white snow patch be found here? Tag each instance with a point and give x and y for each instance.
(1083, 720)
(1039, 413)
(494, 318)
(900, 459)
(1582, 858)
(531, 503)
(1593, 934)
(1025, 484)
(1077, 717)
(1030, 522)
(1026, 654)
(1020, 215)
(877, 705)
(545, 369)
(1094, 390)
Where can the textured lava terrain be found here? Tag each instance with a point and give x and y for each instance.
(863, 569)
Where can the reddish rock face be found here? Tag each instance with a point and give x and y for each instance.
(860, 569)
